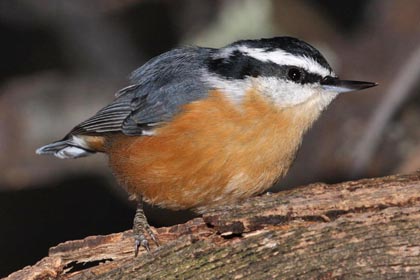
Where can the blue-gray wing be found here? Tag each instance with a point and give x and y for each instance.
(157, 92)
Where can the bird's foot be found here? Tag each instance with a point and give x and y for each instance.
(141, 229)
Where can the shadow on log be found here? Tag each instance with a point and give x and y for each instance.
(361, 229)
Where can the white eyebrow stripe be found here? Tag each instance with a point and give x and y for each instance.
(281, 57)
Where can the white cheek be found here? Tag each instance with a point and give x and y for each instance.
(285, 93)
(282, 93)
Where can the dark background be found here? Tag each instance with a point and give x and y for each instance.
(61, 61)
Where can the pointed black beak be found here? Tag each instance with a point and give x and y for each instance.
(336, 85)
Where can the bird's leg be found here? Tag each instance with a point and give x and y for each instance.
(141, 228)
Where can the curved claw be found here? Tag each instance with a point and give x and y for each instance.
(136, 247)
(142, 241)
(154, 238)
(145, 244)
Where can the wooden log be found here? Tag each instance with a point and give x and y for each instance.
(354, 230)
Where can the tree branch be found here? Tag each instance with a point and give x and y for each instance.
(358, 229)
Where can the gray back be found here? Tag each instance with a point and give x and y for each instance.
(158, 90)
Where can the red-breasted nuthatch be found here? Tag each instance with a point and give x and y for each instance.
(198, 127)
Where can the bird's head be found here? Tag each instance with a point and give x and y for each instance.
(286, 70)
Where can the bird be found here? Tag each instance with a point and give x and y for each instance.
(199, 127)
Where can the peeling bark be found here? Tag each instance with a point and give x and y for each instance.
(354, 230)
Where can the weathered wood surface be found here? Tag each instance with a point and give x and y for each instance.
(361, 229)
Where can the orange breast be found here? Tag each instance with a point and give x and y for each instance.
(213, 152)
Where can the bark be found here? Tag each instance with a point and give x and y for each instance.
(354, 230)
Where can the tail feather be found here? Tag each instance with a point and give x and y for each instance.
(66, 148)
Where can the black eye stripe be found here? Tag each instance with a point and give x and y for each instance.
(311, 78)
(239, 66)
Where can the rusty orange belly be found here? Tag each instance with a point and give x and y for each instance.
(213, 152)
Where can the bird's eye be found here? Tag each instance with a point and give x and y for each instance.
(294, 74)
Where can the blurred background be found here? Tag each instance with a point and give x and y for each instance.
(61, 61)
